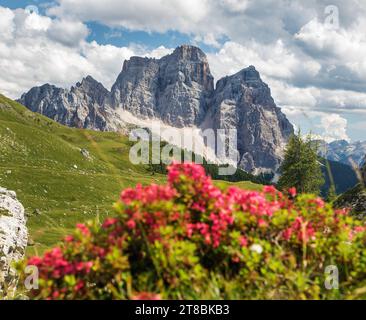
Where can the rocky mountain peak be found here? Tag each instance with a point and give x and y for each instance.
(91, 89)
(88, 81)
(244, 102)
(250, 74)
(189, 52)
(350, 153)
(175, 88)
(178, 90)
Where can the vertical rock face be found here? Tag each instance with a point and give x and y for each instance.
(80, 107)
(136, 87)
(13, 237)
(177, 89)
(243, 102)
(185, 85)
(174, 89)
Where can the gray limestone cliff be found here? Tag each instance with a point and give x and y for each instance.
(82, 106)
(13, 238)
(178, 90)
(174, 89)
(244, 102)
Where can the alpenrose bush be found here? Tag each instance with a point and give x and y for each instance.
(191, 240)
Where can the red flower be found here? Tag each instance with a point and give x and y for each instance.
(83, 228)
(292, 192)
(109, 222)
(243, 241)
(131, 224)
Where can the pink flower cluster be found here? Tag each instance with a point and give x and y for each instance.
(55, 264)
(146, 195)
(209, 211)
(219, 227)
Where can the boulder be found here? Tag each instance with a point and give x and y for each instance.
(13, 239)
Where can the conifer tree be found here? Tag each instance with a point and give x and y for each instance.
(301, 167)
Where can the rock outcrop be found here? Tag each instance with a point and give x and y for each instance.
(350, 153)
(81, 107)
(244, 102)
(178, 90)
(13, 238)
(175, 89)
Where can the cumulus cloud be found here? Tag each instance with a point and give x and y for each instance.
(334, 127)
(69, 33)
(36, 49)
(147, 15)
(311, 67)
(272, 60)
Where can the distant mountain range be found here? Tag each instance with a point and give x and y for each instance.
(177, 90)
(342, 151)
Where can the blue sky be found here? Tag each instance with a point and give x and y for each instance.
(311, 54)
(118, 36)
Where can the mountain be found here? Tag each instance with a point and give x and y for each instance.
(64, 175)
(83, 106)
(243, 102)
(174, 89)
(350, 153)
(355, 198)
(177, 90)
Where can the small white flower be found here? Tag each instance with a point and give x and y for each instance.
(256, 248)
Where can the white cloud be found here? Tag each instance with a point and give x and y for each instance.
(235, 5)
(147, 15)
(334, 127)
(6, 24)
(36, 49)
(69, 33)
(274, 60)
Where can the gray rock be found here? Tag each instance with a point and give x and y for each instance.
(243, 102)
(82, 106)
(178, 90)
(174, 89)
(13, 239)
(85, 153)
(350, 153)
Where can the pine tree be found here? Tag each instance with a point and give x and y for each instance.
(301, 167)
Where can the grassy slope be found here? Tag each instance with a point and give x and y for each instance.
(41, 160)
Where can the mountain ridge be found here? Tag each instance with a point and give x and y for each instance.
(350, 153)
(178, 90)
